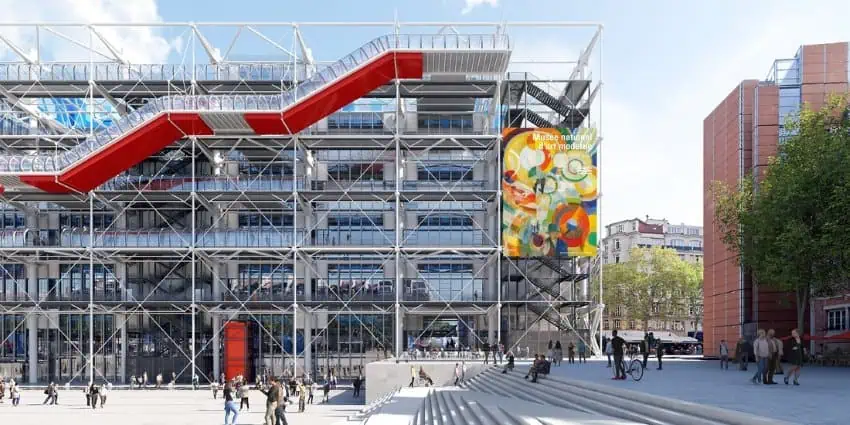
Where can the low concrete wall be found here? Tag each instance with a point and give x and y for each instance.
(384, 376)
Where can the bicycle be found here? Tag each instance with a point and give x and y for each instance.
(635, 366)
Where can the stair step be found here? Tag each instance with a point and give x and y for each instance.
(610, 405)
(462, 407)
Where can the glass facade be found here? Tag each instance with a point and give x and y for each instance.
(372, 233)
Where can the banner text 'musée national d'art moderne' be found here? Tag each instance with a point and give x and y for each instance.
(549, 192)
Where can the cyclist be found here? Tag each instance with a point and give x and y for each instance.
(617, 344)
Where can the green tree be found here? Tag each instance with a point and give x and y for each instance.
(653, 284)
(790, 229)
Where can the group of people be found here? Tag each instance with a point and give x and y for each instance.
(95, 393)
(555, 353)
(141, 381)
(14, 391)
(769, 350)
(616, 348)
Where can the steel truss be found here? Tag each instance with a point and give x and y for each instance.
(193, 194)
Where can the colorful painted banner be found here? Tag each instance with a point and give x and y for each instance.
(549, 192)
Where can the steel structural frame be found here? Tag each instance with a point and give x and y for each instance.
(399, 141)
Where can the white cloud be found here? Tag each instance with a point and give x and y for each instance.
(135, 44)
(472, 4)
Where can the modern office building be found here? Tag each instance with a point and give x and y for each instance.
(739, 137)
(622, 236)
(210, 214)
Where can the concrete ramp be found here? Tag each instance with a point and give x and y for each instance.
(382, 377)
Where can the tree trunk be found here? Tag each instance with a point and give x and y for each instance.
(802, 304)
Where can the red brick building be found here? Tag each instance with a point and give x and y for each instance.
(739, 136)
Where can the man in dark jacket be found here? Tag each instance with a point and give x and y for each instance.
(742, 353)
(644, 349)
(617, 345)
(659, 351)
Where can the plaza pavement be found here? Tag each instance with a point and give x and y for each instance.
(823, 397)
(164, 407)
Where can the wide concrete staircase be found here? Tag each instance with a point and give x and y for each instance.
(604, 401)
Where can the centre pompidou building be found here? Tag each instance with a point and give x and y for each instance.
(228, 201)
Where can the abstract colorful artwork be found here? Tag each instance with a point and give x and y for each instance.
(549, 192)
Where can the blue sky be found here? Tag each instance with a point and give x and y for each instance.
(666, 64)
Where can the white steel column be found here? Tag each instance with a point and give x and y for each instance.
(307, 318)
(499, 252)
(91, 288)
(399, 227)
(32, 318)
(295, 199)
(121, 320)
(194, 306)
(599, 174)
(216, 346)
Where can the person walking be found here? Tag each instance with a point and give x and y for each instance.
(761, 350)
(617, 344)
(229, 405)
(280, 411)
(145, 380)
(413, 375)
(795, 357)
(271, 394)
(724, 355)
(571, 353)
(486, 353)
(214, 388)
(158, 381)
(311, 388)
(457, 374)
(326, 389)
(50, 392)
(501, 352)
(644, 349)
(742, 353)
(103, 392)
(244, 397)
(609, 349)
(463, 367)
(773, 359)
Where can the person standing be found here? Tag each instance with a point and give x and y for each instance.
(311, 388)
(773, 360)
(617, 344)
(742, 353)
(609, 350)
(145, 380)
(93, 395)
(724, 355)
(302, 397)
(486, 353)
(244, 397)
(358, 382)
(413, 375)
(271, 394)
(457, 374)
(103, 391)
(558, 354)
(761, 350)
(280, 411)
(229, 405)
(582, 351)
(16, 394)
(501, 352)
(158, 381)
(795, 357)
(659, 352)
